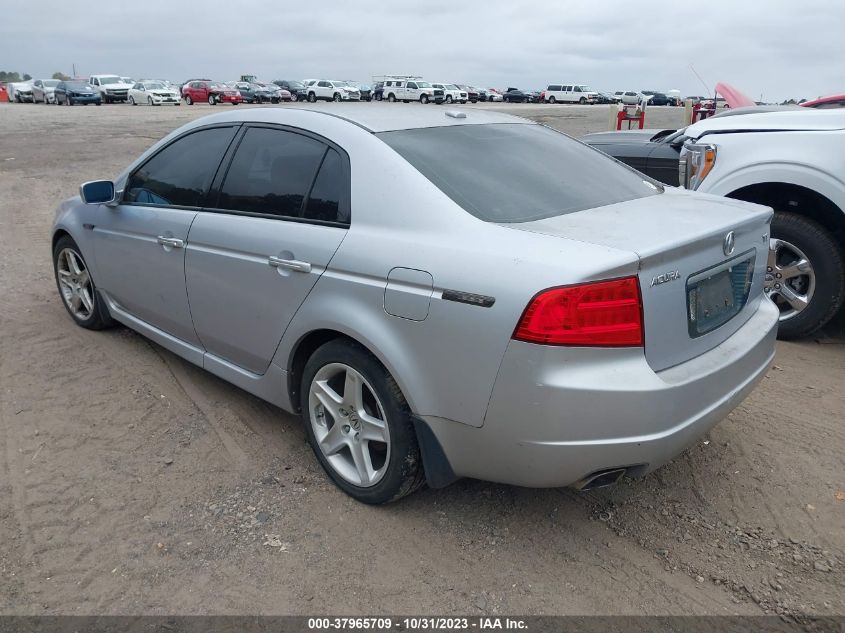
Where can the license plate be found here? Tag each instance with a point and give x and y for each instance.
(716, 295)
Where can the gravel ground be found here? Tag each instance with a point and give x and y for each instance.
(132, 482)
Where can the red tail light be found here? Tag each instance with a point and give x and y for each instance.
(597, 314)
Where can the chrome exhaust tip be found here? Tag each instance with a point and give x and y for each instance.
(601, 479)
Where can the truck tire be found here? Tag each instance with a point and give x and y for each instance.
(391, 97)
(808, 295)
(424, 98)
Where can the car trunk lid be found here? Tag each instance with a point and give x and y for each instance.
(697, 289)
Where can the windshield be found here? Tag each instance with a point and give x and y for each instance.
(423, 84)
(154, 85)
(451, 87)
(296, 85)
(51, 83)
(109, 80)
(516, 172)
(586, 89)
(77, 85)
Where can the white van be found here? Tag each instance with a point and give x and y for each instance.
(570, 93)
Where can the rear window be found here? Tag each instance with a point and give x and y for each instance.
(516, 172)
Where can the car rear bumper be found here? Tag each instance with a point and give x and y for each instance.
(557, 415)
(95, 99)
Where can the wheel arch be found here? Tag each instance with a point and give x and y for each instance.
(438, 471)
(796, 198)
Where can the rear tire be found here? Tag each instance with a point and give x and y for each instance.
(395, 460)
(824, 255)
(312, 98)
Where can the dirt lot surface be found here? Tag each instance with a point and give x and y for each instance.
(133, 482)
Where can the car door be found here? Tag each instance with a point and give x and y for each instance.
(37, 91)
(139, 245)
(281, 213)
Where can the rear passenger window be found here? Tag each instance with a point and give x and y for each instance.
(554, 88)
(327, 202)
(271, 173)
(181, 173)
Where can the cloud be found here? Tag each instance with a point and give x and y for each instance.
(785, 49)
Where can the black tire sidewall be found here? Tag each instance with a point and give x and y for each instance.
(825, 255)
(99, 318)
(405, 465)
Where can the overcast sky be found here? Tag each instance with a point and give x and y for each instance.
(773, 48)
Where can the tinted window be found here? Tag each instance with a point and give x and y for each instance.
(325, 201)
(271, 172)
(516, 172)
(412, 85)
(555, 88)
(182, 172)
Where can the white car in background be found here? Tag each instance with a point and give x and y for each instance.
(451, 93)
(570, 93)
(20, 91)
(494, 95)
(43, 90)
(153, 92)
(111, 87)
(332, 90)
(792, 161)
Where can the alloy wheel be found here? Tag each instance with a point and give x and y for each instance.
(790, 279)
(349, 424)
(75, 284)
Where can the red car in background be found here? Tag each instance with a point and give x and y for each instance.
(211, 92)
(831, 101)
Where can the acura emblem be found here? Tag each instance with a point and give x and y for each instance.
(728, 244)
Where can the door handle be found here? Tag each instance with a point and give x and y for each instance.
(174, 242)
(289, 264)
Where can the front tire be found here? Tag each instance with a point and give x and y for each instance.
(132, 101)
(359, 424)
(188, 100)
(76, 287)
(805, 275)
(149, 101)
(423, 99)
(448, 98)
(211, 100)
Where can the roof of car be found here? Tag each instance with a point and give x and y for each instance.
(380, 117)
(798, 119)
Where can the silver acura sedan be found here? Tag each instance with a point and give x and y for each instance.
(440, 294)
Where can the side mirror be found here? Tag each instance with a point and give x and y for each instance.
(97, 192)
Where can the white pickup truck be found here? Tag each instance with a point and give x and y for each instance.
(408, 90)
(111, 87)
(792, 161)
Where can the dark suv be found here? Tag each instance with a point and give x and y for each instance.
(295, 88)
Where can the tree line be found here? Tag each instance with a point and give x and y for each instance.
(9, 76)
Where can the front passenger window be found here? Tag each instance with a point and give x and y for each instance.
(181, 173)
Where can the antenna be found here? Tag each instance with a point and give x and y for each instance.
(703, 83)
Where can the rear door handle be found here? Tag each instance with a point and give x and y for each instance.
(174, 242)
(289, 264)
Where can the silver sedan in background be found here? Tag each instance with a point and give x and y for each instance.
(525, 310)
